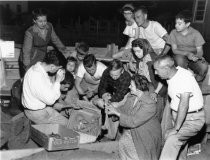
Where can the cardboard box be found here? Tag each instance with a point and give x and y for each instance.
(54, 137)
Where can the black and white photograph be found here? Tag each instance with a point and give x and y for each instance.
(105, 80)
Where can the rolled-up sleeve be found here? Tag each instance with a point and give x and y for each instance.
(27, 48)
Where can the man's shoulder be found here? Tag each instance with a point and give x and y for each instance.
(195, 31)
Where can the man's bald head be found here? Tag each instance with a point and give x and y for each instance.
(165, 61)
(164, 67)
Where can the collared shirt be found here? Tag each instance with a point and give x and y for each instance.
(184, 81)
(187, 42)
(118, 88)
(38, 90)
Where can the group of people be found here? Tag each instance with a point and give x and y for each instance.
(132, 95)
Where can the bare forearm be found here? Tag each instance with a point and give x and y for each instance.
(180, 52)
(182, 112)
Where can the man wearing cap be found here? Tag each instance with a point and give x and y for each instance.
(131, 30)
(188, 116)
(152, 31)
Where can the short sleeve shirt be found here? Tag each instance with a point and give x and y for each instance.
(130, 31)
(184, 81)
(95, 79)
(187, 42)
(153, 33)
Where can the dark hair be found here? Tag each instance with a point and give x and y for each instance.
(69, 79)
(141, 82)
(39, 12)
(144, 45)
(82, 46)
(115, 65)
(53, 57)
(141, 8)
(127, 7)
(89, 60)
(72, 59)
(186, 15)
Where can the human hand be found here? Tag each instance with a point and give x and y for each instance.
(90, 94)
(192, 57)
(153, 95)
(110, 110)
(99, 102)
(106, 97)
(60, 75)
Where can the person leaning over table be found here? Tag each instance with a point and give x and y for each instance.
(36, 40)
(141, 138)
(40, 92)
(142, 64)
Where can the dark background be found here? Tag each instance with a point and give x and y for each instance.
(96, 22)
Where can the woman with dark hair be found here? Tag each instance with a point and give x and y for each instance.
(37, 38)
(142, 64)
(141, 138)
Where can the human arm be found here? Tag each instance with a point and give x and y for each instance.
(181, 114)
(79, 89)
(143, 115)
(45, 91)
(167, 46)
(57, 42)
(103, 85)
(156, 91)
(27, 48)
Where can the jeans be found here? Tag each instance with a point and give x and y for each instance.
(200, 67)
(173, 144)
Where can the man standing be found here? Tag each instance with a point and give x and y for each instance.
(152, 31)
(88, 76)
(186, 105)
(39, 92)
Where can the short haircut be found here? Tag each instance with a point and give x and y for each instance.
(186, 15)
(165, 61)
(82, 46)
(72, 59)
(127, 7)
(143, 44)
(53, 57)
(69, 79)
(115, 65)
(89, 60)
(141, 82)
(39, 12)
(141, 8)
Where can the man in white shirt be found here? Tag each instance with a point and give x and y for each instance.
(152, 31)
(186, 105)
(88, 76)
(39, 92)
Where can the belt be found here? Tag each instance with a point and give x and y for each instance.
(196, 111)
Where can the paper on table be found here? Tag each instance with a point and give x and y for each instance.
(7, 49)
